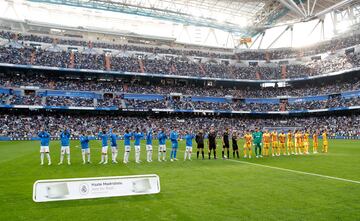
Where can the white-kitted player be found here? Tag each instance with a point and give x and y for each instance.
(65, 146)
(44, 146)
(188, 139)
(127, 138)
(138, 135)
(162, 145)
(85, 149)
(104, 148)
(113, 144)
(149, 148)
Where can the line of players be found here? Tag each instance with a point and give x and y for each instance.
(289, 143)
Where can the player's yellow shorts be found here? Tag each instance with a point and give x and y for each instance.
(282, 145)
(306, 144)
(266, 145)
(316, 144)
(290, 144)
(247, 145)
(325, 143)
(275, 144)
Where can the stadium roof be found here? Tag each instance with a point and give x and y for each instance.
(246, 17)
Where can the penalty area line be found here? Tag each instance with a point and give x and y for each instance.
(297, 171)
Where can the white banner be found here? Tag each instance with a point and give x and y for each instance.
(96, 187)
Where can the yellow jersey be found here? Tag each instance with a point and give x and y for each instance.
(266, 137)
(289, 137)
(282, 137)
(315, 138)
(274, 136)
(324, 137)
(248, 138)
(306, 137)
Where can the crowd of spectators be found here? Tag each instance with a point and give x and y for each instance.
(43, 81)
(173, 66)
(184, 103)
(27, 125)
(122, 47)
(271, 54)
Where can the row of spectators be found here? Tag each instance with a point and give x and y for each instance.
(283, 53)
(173, 66)
(122, 47)
(183, 104)
(43, 81)
(27, 125)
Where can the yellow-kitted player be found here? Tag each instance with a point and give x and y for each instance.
(301, 143)
(266, 139)
(290, 143)
(297, 142)
(247, 145)
(282, 138)
(315, 142)
(274, 144)
(306, 142)
(325, 142)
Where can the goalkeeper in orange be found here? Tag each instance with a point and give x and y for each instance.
(315, 141)
(266, 139)
(274, 144)
(247, 145)
(325, 142)
(282, 138)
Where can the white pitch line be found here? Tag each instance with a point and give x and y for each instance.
(300, 172)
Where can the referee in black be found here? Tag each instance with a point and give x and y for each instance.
(200, 144)
(212, 142)
(226, 144)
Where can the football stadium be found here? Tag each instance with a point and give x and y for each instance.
(180, 110)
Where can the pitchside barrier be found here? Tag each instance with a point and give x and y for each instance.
(2, 138)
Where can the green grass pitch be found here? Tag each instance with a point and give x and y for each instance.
(191, 190)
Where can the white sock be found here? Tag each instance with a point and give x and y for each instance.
(102, 158)
(164, 155)
(159, 155)
(112, 156)
(48, 157)
(126, 156)
(189, 155)
(106, 158)
(42, 158)
(115, 155)
(150, 155)
(61, 158)
(83, 157)
(68, 158)
(185, 155)
(137, 156)
(88, 157)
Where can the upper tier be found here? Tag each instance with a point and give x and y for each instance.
(175, 66)
(332, 45)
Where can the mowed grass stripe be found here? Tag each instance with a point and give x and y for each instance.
(296, 171)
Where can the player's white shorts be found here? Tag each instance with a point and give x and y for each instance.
(137, 148)
(162, 147)
(65, 149)
(127, 148)
(104, 149)
(189, 148)
(114, 148)
(44, 149)
(87, 150)
(148, 147)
